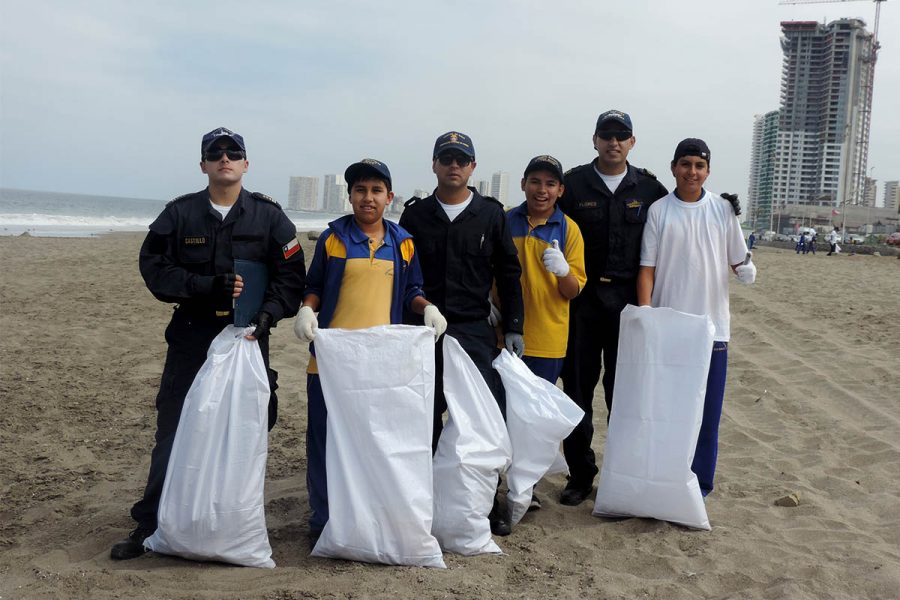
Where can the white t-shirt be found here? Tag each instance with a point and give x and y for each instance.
(612, 181)
(223, 210)
(693, 245)
(453, 210)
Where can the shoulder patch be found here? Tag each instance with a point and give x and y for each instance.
(411, 201)
(181, 197)
(646, 172)
(261, 196)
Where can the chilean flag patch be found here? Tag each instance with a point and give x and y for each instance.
(291, 248)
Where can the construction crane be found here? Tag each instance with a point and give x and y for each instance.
(863, 145)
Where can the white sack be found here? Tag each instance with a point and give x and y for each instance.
(472, 452)
(212, 505)
(378, 385)
(663, 363)
(539, 416)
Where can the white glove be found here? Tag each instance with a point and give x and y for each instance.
(495, 318)
(306, 326)
(515, 344)
(746, 273)
(555, 260)
(434, 319)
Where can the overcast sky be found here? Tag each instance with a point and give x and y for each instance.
(112, 97)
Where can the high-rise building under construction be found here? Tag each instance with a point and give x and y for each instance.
(826, 100)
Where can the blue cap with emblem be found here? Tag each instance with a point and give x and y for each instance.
(545, 162)
(367, 167)
(454, 140)
(218, 133)
(614, 116)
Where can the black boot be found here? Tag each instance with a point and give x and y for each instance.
(132, 546)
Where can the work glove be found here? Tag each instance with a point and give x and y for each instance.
(223, 285)
(434, 319)
(515, 343)
(555, 260)
(263, 322)
(495, 318)
(306, 326)
(746, 273)
(735, 203)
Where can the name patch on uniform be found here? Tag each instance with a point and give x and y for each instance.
(588, 204)
(199, 240)
(291, 248)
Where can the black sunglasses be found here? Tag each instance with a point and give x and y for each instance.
(620, 136)
(217, 153)
(448, 159)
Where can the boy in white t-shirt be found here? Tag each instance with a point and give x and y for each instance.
(692, 242)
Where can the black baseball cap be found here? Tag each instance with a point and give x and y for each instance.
(545, 162)
(367, 167)
(614, 116)
(221, 132)
(691, 147)
(454, 140)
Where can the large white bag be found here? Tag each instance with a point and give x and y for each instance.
(539, 416)
(663, 363)
(212, 505)
(472, 452)
(378, 385)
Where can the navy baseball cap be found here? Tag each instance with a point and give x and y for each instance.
(545, 162)
(454, 140)
(367, 167)
(614, 116)
(691, 147)
(221, 132)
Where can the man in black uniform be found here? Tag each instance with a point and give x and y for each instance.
(188, 259)
(608, 199)
(464, 246)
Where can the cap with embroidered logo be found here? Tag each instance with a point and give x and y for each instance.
(614, 116)
(367, 167)
(222, 132)
(454, 140)
(545, 162)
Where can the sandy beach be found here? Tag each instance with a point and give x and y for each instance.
(811, 408)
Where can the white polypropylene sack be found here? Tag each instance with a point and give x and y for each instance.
(661, 373)
(378, 385)
(539, 416)
(473, 450)
(212, 505)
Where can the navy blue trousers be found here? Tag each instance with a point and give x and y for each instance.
(704, 465)
(545, 368)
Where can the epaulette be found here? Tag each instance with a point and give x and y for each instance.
(578, 168)
(492, 199)
(181, 197)
(261, 196)
(411, 201)
(646, 172)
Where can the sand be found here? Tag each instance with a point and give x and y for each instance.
(811, 409)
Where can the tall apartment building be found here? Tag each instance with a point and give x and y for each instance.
(303, 193)
(762, 170)
(500, 186)
(823, 129)
(334, 194)
(870, 192)
(892, 195)
(483, 186)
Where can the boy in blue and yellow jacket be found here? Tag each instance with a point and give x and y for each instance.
(364, 272)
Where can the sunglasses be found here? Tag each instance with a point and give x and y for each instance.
(620, 136)
(460, 159)
(217, 153)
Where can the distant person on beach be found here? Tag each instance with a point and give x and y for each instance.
(688, 234)
(801, 244)
(188, 259)
(464, 246)
(751, 241)
(833, 236)
(364, 273)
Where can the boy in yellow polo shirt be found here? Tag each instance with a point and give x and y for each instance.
(551, 252)
(364, 273)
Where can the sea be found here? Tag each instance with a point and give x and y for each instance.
(54, 214)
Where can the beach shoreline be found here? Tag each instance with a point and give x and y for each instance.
(810, 408)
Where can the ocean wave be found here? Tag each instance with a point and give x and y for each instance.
(45, 220)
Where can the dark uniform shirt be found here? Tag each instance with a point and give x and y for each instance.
(461, 259)
(189, 244)
(611, 223)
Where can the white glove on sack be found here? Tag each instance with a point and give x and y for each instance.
(515, 344)
(435, 320)
(746, 274)
(555, 260)
(306, 326)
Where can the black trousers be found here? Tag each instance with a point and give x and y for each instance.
(189, 338)
(593, 346)
(479, 341)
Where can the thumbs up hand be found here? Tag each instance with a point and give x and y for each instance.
(555, 260)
